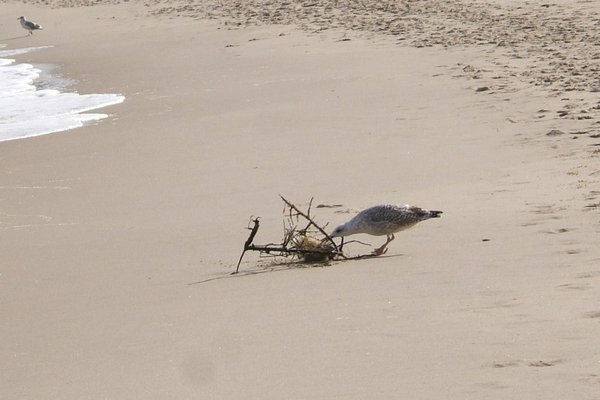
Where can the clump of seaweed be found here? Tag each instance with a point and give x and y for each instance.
(312, 249)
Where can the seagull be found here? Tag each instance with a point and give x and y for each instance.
(29, 25)
(385, 219)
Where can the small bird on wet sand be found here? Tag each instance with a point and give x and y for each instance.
(29, 25)
(385, 219)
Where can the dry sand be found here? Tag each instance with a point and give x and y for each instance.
(104, 230)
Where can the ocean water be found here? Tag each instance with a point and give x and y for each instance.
(33, 102)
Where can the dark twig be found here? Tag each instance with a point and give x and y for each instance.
(248, 242)
(283, 249)
(308, 214)
(359, 242)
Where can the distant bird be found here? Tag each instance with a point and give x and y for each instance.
(29, 25)
(385, 219)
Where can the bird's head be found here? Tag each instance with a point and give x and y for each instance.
(340, 231)
(21, 18)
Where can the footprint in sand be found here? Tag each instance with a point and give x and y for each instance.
(556, 231)
(591, 378)
(590, 274)
(574, 286)
(542, 363)
(516, 363)
(547, 209)
(505, 364)
(593, 314)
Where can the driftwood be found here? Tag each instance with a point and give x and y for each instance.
(310, 244)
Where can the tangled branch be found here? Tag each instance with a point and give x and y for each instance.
(310, 243)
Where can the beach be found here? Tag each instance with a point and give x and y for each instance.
(118, 238)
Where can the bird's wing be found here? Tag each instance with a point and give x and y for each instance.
(31, 25)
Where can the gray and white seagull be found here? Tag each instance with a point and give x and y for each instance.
(385, 219)
(29, 25)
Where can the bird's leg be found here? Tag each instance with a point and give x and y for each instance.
(382, 250)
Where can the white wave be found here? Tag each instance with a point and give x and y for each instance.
(27, 110)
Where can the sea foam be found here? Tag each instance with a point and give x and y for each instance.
(30, 109)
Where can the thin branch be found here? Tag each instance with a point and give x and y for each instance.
(283, 249)
(248, 242)
(311, 222)
(359, 242)
(308, 213)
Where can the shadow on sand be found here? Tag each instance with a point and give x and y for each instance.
(279, 266)
(13, 38)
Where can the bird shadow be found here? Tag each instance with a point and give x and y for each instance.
(13, 38)
(273, 267)
(280, 266)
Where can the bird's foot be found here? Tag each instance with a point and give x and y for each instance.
(379, 251)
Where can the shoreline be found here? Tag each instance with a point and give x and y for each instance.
(37, 103)
(562, 111)
(104, 229)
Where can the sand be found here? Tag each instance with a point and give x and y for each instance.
(117, 239)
